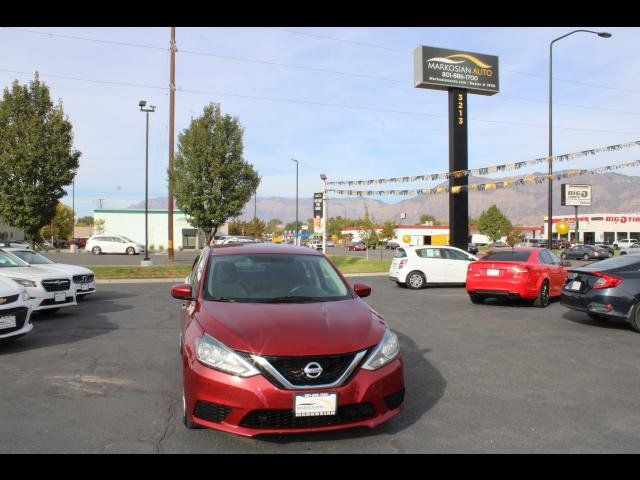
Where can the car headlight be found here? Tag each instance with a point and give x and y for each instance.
(24, 282)
(386, 351)
(216, 355)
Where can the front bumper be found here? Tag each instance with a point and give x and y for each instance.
(254, 406)
(84, 288)
(43, 300)
(22, 314)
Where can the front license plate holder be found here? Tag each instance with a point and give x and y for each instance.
(84, 286)
(8, 321)
(59, 297)
(315, 404)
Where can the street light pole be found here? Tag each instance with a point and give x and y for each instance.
(550, 199)
(143, 108)
(296, 238)
(325, 220)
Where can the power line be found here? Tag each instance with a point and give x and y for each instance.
(309, 102)
(336, 72)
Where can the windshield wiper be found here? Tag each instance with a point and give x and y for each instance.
(290, 299)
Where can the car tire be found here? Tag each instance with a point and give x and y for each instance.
(130, 251)
(96, 250)
(186, 419)
(416, 280)
(476, 299)
(623, 253)
(543, 299)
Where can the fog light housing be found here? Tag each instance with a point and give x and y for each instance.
(599, 307)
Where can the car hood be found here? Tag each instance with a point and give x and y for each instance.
(293, 329)
(31, 273)
(8, 287)
(66, 268)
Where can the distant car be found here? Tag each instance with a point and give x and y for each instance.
(584, 252)
(633, 249)
(472, 249)
(416, 266)
(357, 247)
(500, 244)
(391, 245)
(606, 290)
(79, 242)
(83, 278)
(237, 239)
(15, 310)
(330, 243)
(606, 247)
(534, 274)
(113, 244)
(624, 243)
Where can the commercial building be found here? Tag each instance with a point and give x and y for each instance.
(130, 223)
(598, 227)
(10, 233)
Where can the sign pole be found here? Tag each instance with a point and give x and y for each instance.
(458, 160)
(577, 226)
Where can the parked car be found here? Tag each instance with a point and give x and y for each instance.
(83, 278)
(391, 245)
(585, 252)
(113, 244)
(15, 310)
(79, 242)
(330, 243)
(633, 249)
(417, 266)
(357, 246)
(237, 239)
(608, 248)
(47, 289)
(13, 243)
(279, 342)
(606, 290)
(472, 248)
(624, 243)
(534, 274)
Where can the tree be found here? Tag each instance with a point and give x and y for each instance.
(274, 225)
(37, 159)
(99, 226)
(211, 180)
(236, 227)
(291, 226)
(85, 221)
(494, 224)
(256, 228)
(61, 227)
(367, 230)
(388, 230)
(429, 218)
(514, 237)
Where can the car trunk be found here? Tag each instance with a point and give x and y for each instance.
(499, 271)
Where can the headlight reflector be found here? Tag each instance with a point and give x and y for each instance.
(216, 355)
(387, 350)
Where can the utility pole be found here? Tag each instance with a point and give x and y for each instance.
(100, 200)
(172, 99)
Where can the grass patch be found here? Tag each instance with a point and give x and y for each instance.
(349, 264)
(157, 271)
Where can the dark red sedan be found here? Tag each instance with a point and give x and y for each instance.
(534, 274)
(274, 340)
(357, 246)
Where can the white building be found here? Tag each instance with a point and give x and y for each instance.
(10, 233)
(130, 223)
(599, 227)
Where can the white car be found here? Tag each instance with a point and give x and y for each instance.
(416, 266)
(625, 243)
(633, 249)
(113, 244)
(15, 310)
(47, 289)
(83, 278)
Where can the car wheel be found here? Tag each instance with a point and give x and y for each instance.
(563, 256)
(477, 299)
(542, 300)
(131, 251)
(96, 250)
(623, 253)
(186, 419)
(585, 257)
(416, 280)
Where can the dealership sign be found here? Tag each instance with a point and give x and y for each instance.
(575, 195)
(318, 224)
(442, 69)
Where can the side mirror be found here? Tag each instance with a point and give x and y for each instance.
(566, 263)
(362, 289)
(182, 291)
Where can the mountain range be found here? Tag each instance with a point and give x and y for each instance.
(523, 205)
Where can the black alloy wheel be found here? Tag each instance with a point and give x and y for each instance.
(543, 299)
(96, 250)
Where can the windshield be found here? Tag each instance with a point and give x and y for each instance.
(7, 260)
(127, 239)
(33, 258)
(273, 278)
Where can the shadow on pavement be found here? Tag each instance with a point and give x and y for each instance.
(424, 387)
(584, 319)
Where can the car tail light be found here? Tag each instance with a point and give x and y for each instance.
(402, 263)
(520, 270)
(606, 281)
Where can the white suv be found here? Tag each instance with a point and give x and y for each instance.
(624, 243)
(15, 310)
(113, 244)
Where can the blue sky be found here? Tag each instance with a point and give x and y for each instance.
(373, 76)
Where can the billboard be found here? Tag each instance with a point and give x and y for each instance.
(442, 69)
(575, 195)
(318, 224)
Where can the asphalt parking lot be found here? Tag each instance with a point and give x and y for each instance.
(497, 378)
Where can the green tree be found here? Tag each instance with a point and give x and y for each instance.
(494, 224)
(274, 225)
(291, 226)
(514, 237)
(388, 230)
(429, 218)
(37, 159)
(61, 226)
(256, 228)
(236, 227)
(367, 229)
(85, 221)
(211, 180)
(99, 226)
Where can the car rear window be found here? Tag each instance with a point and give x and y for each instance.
(400, 253)
(507, 255)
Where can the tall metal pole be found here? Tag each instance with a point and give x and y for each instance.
(73, 206)
(172, 92)
(146, 196)
(325, 220)
(296, 238)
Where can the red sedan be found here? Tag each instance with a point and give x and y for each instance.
(274, 340)
(535, 274)
(357, 246)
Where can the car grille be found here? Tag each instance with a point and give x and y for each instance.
(8, 300)
(57, 285)
(212, 412)
(83, 278)
(21, 316)
(286, 418)
(292, 368)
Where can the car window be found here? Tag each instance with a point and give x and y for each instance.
(400, 253)
(545, 258)
(32, 257)
(555, 259)
(430, 253)
(198, 269)
(7, 260)
(454, 254)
